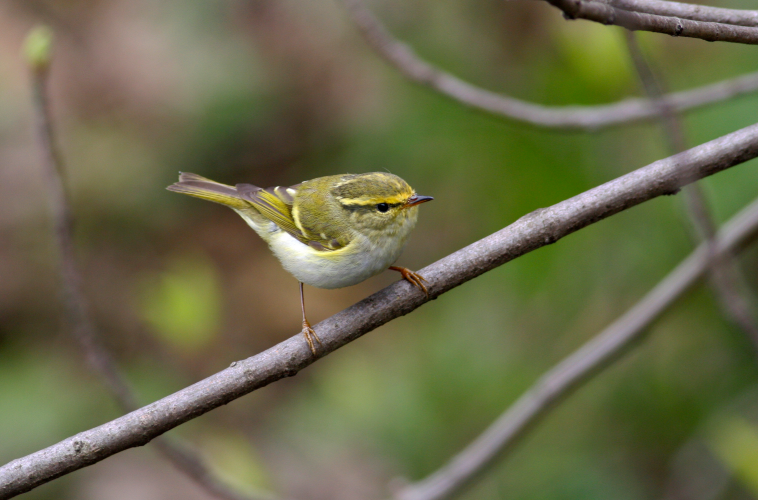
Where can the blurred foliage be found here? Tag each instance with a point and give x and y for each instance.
(275, 92)
(183, 304)
(735, 441)
(235, 462)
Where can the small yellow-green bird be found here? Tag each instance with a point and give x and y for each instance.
(328, 232)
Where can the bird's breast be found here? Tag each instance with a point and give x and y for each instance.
(356, 262)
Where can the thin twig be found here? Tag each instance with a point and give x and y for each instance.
(653, 88)
(725, 277)
(578, 368)
(535, 230)
(638, 21)
(591, 118)
(76, 305)
(689, 11)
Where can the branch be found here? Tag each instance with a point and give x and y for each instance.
(689, 11)
(76, 307)
(405, 60)
(725, 276)
(579, 367)
(734, 298)
(535, 230)
(653, 89)
(637, 21)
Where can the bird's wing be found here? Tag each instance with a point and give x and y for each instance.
(275, 204)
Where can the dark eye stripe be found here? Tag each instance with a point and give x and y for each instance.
(372, 206)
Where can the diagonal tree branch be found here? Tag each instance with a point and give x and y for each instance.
(733, 297)
(503, 435)
(639, 21)
(537, 229)
(76, 305)
(577, 369)
(688, 11)
(405, 60)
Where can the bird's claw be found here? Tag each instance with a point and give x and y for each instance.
(310, 336)
(414, 279)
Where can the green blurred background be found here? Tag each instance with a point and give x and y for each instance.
(276, 92)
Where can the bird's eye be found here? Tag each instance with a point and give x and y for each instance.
(382, 207)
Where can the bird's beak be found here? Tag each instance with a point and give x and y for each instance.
(416, 200)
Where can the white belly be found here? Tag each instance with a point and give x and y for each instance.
(348, 266)
(336, 269)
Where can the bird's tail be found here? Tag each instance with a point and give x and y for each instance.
(200, 187)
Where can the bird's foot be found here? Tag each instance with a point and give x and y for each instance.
(414, 279)
(310, 336)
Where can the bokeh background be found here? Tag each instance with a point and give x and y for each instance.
(276, 92)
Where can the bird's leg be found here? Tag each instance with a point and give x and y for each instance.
(413, 278)
(309, 333)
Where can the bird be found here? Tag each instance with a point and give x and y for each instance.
(329, 232)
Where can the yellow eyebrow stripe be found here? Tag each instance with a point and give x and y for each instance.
(367, 201)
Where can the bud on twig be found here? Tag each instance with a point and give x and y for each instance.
(38, 48)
